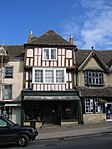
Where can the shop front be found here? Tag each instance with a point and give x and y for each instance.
(57, 108)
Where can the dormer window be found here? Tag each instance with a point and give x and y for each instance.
(93, 78)
(49, 53)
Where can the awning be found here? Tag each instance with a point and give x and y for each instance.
(50, 98)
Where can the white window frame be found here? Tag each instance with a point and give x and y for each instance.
(43, 58)
(92, 105)
(54, 72)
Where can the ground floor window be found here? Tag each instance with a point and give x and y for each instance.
(69, 110)
(93, 105)
(51, 112)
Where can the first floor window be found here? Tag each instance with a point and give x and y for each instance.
(49, 75)
(39, 75)
(8, 72)
(60, 76)
(7, 92)
(93, 78)
(93, 106)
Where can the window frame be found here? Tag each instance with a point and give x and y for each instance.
(54, 75)
(9, 75)
(9, 95)
(92, 105)
(94, 78)
(49, 54)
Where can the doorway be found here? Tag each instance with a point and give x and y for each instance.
(108, 107)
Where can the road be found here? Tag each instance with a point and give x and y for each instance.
(100, 141)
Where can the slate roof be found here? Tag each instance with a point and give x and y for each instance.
(105, 91)
(50, 38)
(104, 55)
(14, 51)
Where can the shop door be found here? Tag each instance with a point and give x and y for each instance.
(108, 111)
(56, 114)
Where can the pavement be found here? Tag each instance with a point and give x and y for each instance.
(60, 132)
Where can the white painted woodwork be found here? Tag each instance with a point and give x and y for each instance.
(60, 87)
(27, 61)
(30, 53)
(43, 63)
(70, 85)
(26, 85)
(35, 61)
(34, 87)
(39, 60)
(68, 54)
(35, 51)
(67, 86)
(38, 87)
(66, 62)
(66, 76)
(56, 87)
(55, 63)
(31, 62)
(70, 77)
(63, 51)
(26, 75)
(71, 62)
(63, 60)
(39, 51)
(45, 87)
(59, 60)
(59, 51)
(51, 63)
(42, 87)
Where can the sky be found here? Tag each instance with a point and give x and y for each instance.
(88, 21)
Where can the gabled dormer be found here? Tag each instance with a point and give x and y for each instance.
(92, 68)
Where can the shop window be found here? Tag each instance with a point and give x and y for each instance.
(93, 106)
(69, 111)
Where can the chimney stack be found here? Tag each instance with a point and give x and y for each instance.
(71, 40)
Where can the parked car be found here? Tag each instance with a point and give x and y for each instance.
(11, 132)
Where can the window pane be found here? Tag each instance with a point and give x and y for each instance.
(93, 78)
(59, 76)
(53, 53)
(38, 75)
(49, 76)
(46, 53)
(8, 92)
(8, 72)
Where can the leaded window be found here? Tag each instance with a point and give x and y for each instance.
(93, 78)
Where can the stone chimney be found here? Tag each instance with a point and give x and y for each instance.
(71, 40)
(30, 37)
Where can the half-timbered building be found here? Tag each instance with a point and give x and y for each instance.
(48, 94)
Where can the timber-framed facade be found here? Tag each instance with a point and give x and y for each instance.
(49, 81)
